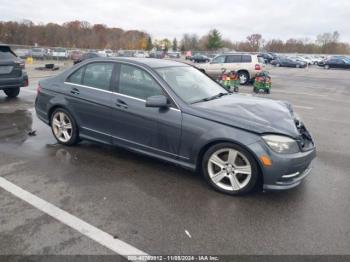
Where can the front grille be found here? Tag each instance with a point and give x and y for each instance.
(305, 140)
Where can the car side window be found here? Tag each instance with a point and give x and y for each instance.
(137, 83)
(246, 59)
(76, 77)
(98, 75)
(233, 59)
(219, 60)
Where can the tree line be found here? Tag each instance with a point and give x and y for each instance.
(326, 43)
(82, 34)
(74, 34)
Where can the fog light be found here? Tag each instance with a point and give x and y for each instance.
(265, 160)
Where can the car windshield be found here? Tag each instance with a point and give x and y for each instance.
(190, 84)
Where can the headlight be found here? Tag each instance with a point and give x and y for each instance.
(281, 144)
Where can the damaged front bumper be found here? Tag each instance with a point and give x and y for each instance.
(287, 170)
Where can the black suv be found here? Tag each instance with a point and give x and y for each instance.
(12, 77)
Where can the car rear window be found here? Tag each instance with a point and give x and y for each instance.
(6, 53)
(233, 59)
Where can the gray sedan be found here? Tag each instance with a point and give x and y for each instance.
(172, 111)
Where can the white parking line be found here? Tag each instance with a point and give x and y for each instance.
(297, 93)
(303, 107)
(81, 226)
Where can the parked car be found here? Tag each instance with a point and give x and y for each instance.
(38, 53)
(246, 65)
(316, 59)
(140, 54)
(198, 58)
(335, 62)
(86, 56)
(60, 53)
(172, 111)
(188, 55)
(267, 57)
(288, 62)
(157, 54)
(105, 53)
(22, 53)
(174, 54)
(306, 60)
(12, 76)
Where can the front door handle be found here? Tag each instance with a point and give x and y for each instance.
(121, 104)
(75, 91)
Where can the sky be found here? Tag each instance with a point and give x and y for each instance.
(235, 19)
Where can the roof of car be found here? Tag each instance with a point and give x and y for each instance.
(150, 62)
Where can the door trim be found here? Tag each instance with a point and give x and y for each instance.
(135, 143)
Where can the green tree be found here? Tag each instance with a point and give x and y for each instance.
(183, 49)
(149, 46)
(214, 40)
(175, 45)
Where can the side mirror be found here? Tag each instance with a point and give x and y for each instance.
(157, 101)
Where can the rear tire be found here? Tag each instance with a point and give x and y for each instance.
(222, 166)
(64, 127)
(243, 77)
(12, 92)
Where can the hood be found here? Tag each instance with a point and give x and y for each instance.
(259, 115)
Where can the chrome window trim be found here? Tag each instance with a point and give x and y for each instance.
(128, 63)
(132, 142)
(115, 93)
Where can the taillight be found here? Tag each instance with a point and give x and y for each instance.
(257, 67)
(26, 82)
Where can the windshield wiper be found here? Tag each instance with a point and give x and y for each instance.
(210, 98)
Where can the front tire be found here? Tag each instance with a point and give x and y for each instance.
(64, 127)
(12, 92)
(230, 169)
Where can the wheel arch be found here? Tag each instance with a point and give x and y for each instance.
(206, 147)
(56, 106)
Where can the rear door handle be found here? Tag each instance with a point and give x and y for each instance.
(75, 91)
(121, 104)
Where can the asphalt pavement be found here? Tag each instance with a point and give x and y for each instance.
(158, 208)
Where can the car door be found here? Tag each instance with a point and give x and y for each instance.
(89, 96)
(344, 64)
(154, 130)
(215, 67)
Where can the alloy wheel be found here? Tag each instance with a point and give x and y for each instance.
(62, 127)
(229, 169)
(243, 79)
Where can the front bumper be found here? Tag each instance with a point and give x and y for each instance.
(287, 170)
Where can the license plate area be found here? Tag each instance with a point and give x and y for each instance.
(5, 70)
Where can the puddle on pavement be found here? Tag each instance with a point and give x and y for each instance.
(15, 126)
